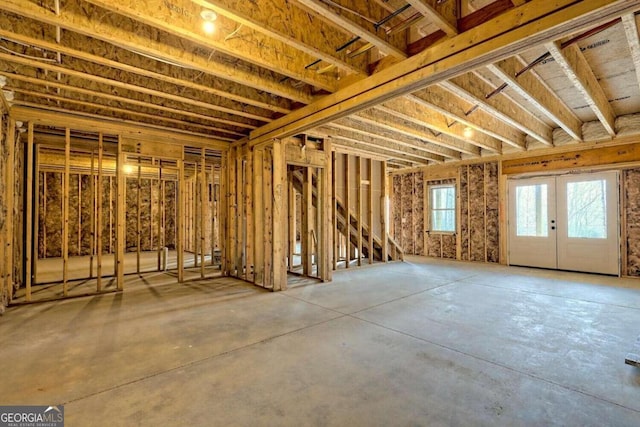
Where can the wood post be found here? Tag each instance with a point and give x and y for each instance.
(10, 185)
(326, 205)
(120, 216)
(99, 214)
(180, 220)
(268, 218)
(292, 219)
(359, 207)
(65, 213)
(203, 205)
(347, 207)
(307, 221)
(36, 214)
(334, 210)
(370, 212)
(92, 225)
(248, 229)
(259, 214)
(502, 214)
(28, 242)
(384, 214)
(138, 219)
(279, 216)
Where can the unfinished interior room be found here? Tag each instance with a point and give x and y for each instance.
(321, 212)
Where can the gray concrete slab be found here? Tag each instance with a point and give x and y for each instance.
(416, 343)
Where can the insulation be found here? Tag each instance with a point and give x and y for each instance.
(50, 225)
(448, 246)
(476, 213)
(464, 212)
(632, 212)
(397, 209)
(407, 215)
(74, 215)
(492, 206)
(418, 214)
(87, 212)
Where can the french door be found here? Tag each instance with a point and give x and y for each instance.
(567, 222)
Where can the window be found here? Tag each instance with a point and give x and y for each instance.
(587, 209)
(531, 210)
(442, 206)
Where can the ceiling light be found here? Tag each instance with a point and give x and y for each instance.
(467, 132)
(208, 18)
(128, 169)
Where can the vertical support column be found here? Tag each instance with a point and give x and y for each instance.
(180, 220)
(138, 219)
(307, 222)
(36, 213)
(99, 216)
(249, 237)
(28, 243)
(291, 197)
(334, 210)
(259, 214)
(10, 185)
(120, 216)
(232, 217)
(160, 225)
(223, 209)
(384, 214)
(502, 214)
(203, 205)
(359, 207)
(195, 210)
(92, 220)
(326, 204)
(79, 207)
(65, 213)
(279, 216)
(370, 212)
(268, 198)
(214, 214)
(319, 216)
(347, 207)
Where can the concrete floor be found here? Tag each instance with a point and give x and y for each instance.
(415, 343)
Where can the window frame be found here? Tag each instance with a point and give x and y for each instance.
(430, 188)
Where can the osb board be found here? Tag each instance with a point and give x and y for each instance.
(632, 213)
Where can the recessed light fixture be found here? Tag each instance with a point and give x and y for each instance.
(208, 18)
(467, 132)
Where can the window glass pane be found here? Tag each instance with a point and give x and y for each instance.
(443, 220)
(531, 210)
(443, 208)
(586, 209)
(443, 198)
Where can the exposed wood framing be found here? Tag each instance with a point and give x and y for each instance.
(279, 216)
(121, 181)
(630, 25)
(65, 213)
(29, 249)
(359, 209)
(443, 14)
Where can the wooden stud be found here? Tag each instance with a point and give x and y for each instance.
(259, 214)
(359, 208)
(425, 216)
(468, 215)
(10, 182)
(203, 206)
(99, 214)
(624, 249)
(347, 207)
(279, 216)
(36, 214)
(138, 217)
(92, 223)
(194, 209)
(111, 218)
(292, 220)
(334, 209)
(160, 216)
(384, 214)
(232, 217)
(327, 209)
(307, 221)
(370, 212)
(180, 220)
(79, 210)
(28, 243)
(213, 207)
(65, 214)
(223, 209)
(268, 218)
(502, 214)
(484, 209)
(318, 214)
(120, 215)
(248, 232)
(44, 214)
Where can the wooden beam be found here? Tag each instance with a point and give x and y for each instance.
(289, 25)
(253, 48)
(577, 69)
(323, 9)
(474, 90)
(73, 19)
(536, 22)
(443, 14)
(459, 110)
(244, 95)
(134, 88)
(537, 93)
(436, 144)
(119, 99)
(48, 118)
(417, 113)
(490, 11)
(630, 25)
